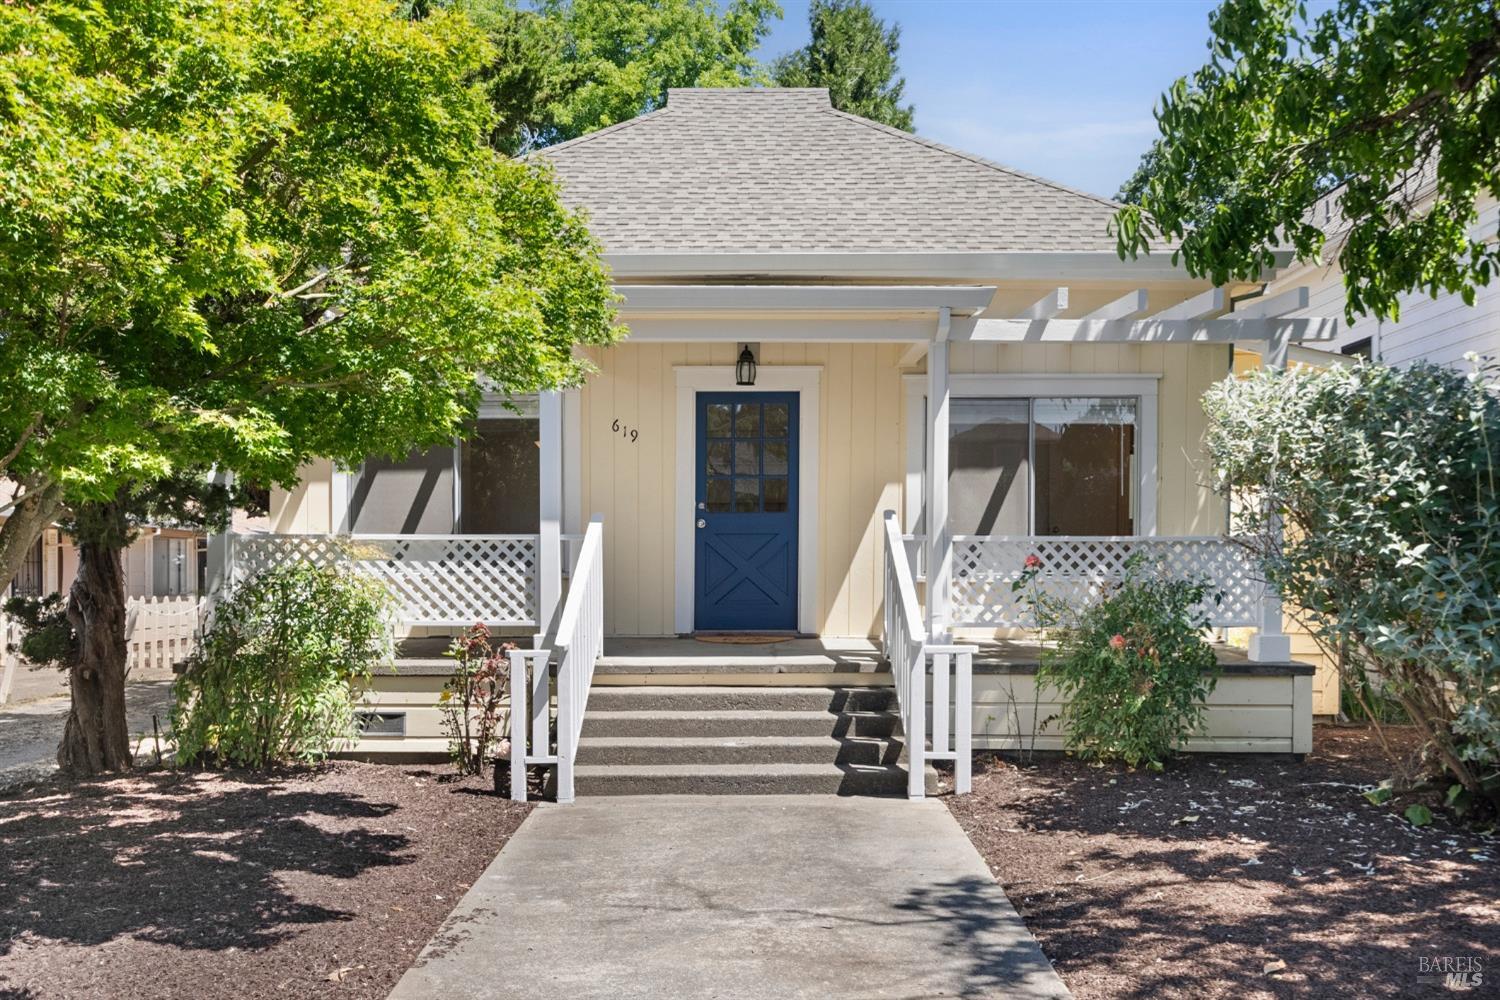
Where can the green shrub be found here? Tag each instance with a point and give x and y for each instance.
(1386, 482)
(275, 676)
(1133, 669)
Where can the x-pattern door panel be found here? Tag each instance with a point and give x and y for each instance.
(746, 507)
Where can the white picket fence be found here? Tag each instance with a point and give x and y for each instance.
(159, 631)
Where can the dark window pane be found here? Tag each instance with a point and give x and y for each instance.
(776, 494)
(778, 416)
(987, 467)
(746, 458)
(747, 419)
(1084, 456)
(746, 495)
(500, 478)
(718, 458)
(776, 458)
(718, 495)
(718, 419)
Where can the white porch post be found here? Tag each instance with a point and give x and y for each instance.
(939, 551)
(1270, 643)
(219, 572)
(549, 540)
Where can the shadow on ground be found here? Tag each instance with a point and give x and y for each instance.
(196, 861)
(1202, 881)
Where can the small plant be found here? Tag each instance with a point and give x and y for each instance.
(1133, 669)
(472, 698)
(275, 676)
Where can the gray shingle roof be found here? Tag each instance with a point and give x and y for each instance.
(779, 170)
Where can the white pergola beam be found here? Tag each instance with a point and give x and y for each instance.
(1202, 306)
(1152, 331)
(1127, 306)
(1048, 306)
(1292, 300)
(913, 354)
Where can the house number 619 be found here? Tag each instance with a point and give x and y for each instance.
(623, 431)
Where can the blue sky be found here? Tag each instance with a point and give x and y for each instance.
(1063, 89)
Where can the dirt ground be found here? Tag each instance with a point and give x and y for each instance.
(318, 883)
(1237, 876)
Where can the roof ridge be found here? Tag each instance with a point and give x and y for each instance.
(971, 157)
(579, 140)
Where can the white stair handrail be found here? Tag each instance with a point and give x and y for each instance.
(908, 649)
(578, 645)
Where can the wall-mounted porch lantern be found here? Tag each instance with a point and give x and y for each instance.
(744, 368)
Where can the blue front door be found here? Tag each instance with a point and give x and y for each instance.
(746, 511)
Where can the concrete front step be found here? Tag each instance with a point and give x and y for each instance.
(753, 722)
(708, 698)
(744, 779)
(647, 750)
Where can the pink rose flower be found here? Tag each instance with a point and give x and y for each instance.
(1033, 561)
(1117, 642)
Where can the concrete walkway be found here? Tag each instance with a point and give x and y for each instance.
(735, 897)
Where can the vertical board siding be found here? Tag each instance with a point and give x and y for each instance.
(862, 459)
(632, 485)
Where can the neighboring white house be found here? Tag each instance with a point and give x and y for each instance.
(931, 334)
(1441, 330)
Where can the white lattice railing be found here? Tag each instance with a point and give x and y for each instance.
(440, 580)
(578, 645)
(949, 714)
(1078, 569)
(160, 631)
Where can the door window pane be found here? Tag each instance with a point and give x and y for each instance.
(776, 458)
(746, 458)
(746, 495)
(776, 494)
(718, 458)
(778, 418)
(988, 467)
(746, 419)
(718, 419)
(718, 496)
(1085, 458)
(500, 478)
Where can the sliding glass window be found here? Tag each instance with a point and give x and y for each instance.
(1044, 466)
(487, 484)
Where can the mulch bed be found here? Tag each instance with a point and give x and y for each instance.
(1201, 881)
(323, 882)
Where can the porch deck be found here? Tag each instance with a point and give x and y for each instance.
(853, 660)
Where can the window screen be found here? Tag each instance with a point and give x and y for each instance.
(500, 478)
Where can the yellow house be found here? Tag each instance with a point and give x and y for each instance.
(866, 376)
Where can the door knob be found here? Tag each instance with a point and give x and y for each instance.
(702, 523)
(702, 505)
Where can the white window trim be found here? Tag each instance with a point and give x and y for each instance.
(1143, 386)
(806, 381)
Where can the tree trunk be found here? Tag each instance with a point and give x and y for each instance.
(35, 510)
(95, 738)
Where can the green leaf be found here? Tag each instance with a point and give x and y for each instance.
(1418, 815)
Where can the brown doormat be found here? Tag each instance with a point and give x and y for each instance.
(742, 639)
